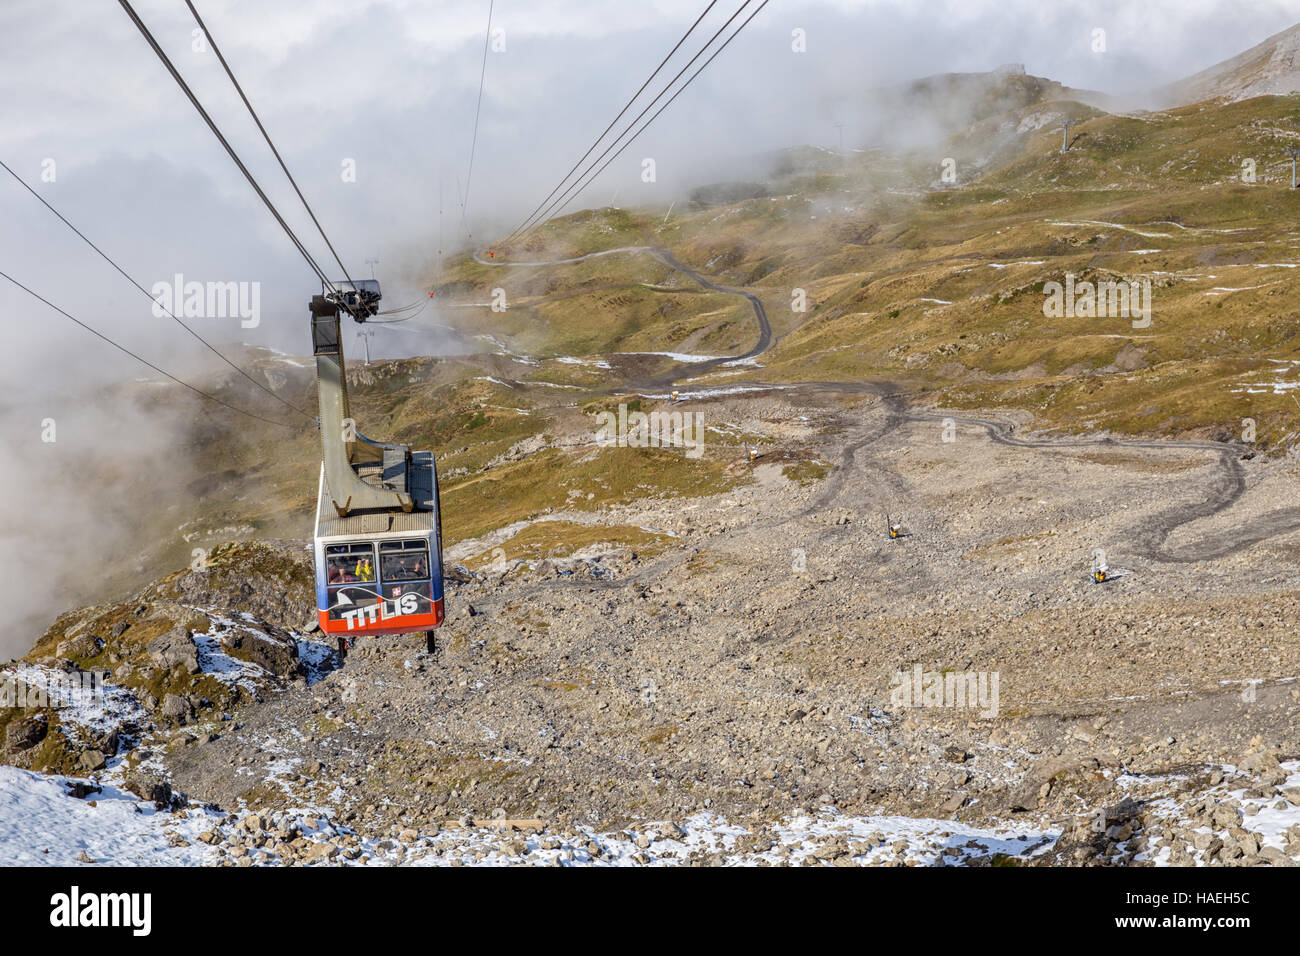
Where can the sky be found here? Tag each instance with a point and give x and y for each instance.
(390, 87)
(388, 90)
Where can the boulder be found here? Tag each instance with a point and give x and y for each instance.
(79, 647)
(1257, 762)
(1044, 778)
(273, 652)
(91, 760)
(175, 647)
(150, 786)
(106, 741)
(81, 789)
(177, 709)
(24, 734)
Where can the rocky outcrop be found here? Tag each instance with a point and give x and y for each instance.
(176, 648)
(271, 649)
(24, 734)
(273, 582)
(156, 663)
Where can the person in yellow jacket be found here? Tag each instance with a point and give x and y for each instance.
(365, 572)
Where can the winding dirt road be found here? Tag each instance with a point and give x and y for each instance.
(685, 370)
(1148, 541)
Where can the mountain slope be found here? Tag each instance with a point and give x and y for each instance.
(934, 107)
(1268, 68)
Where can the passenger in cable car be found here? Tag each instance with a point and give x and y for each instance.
(364, 570)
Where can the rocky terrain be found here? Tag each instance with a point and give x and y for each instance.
(734, 694)
(654, 656)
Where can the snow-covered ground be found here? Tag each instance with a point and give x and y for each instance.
(827, 838)
(89, 703)
(684, 394)
(1268, 818)
(1279, 386)
(678, 356)
(41, 824)
(593, 363)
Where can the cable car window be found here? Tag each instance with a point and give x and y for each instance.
(404, 560)
(349, 563)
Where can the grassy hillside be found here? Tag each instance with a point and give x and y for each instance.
(906, 277)
(944, 282)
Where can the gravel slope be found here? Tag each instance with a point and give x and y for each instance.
(731, 676)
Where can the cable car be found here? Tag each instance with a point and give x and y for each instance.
(378, 537)
(379, 572)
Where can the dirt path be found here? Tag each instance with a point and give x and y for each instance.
(685, 370)
(1225, 489)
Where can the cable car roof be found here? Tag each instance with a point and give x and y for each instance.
(362, 523)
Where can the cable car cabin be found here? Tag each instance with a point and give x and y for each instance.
(378, 542)
(380, 572)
